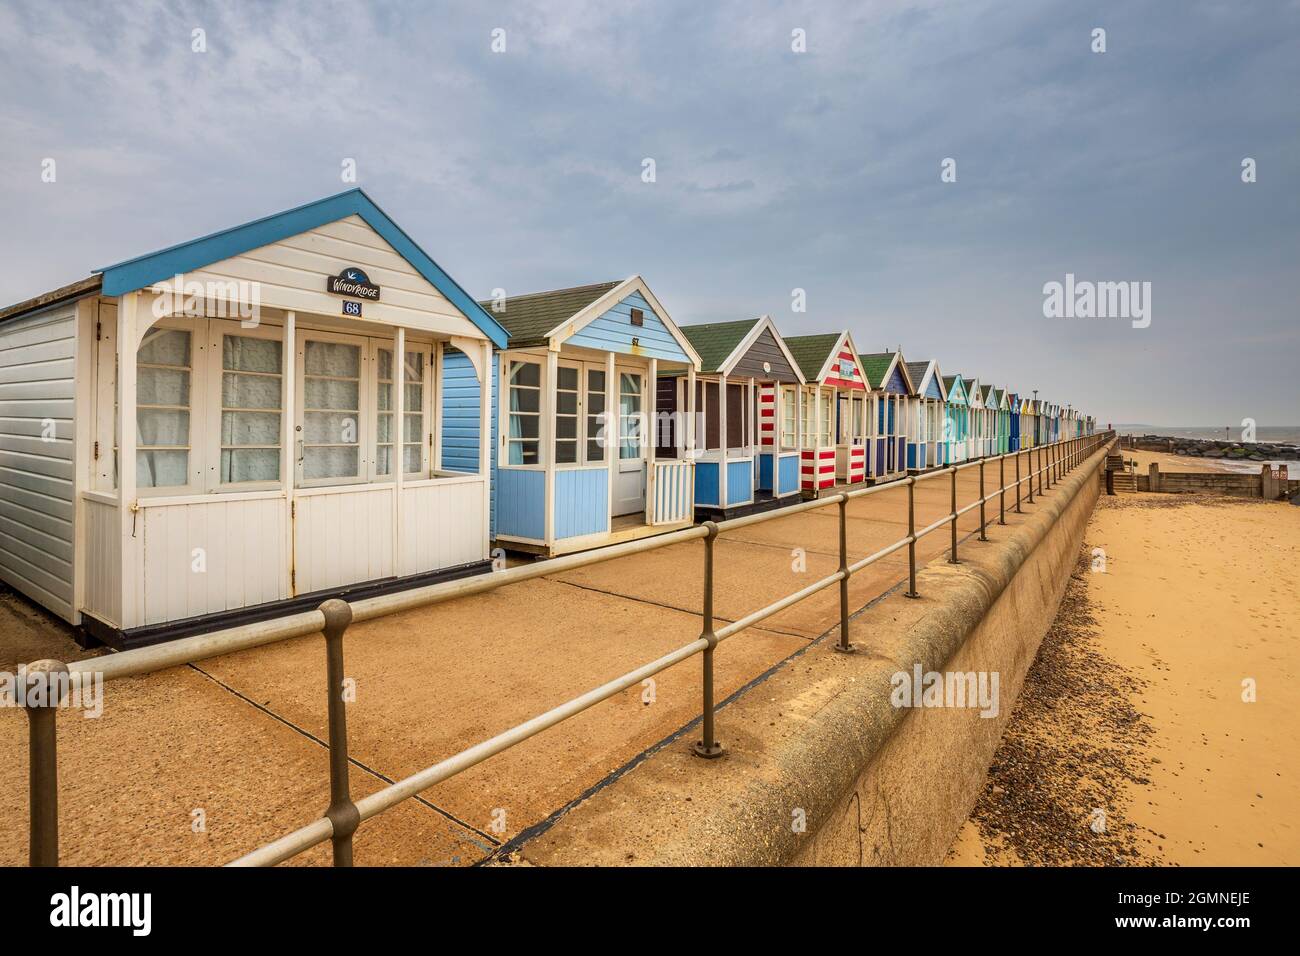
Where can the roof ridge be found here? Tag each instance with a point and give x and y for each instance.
(576, 288)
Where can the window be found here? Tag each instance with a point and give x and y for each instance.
(596, 422)
(737, 416)
(413, 434)
(163, 408)
(523, 439)
(787, 416)
(828, 421)
(629, 416)
(331, 402)
(567, 386)
(251, 388)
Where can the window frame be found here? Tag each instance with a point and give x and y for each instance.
(217, 328)
(428, 405)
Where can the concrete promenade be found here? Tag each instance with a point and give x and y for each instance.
(199, 764)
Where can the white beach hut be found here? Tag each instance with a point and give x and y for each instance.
(241, 425)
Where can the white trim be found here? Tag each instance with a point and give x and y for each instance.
(746, 343)
(594, 310)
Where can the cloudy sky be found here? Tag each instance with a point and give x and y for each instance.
(774, 169)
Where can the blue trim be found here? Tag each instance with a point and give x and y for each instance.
(144, 271)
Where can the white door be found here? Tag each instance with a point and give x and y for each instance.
(629, 475)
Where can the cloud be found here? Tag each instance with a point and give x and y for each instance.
(775, 169)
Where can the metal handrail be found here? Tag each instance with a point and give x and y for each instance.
(333, 617)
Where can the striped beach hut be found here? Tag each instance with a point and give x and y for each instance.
(890, 415)
(747, 403)
(835, 411)
(578, 419)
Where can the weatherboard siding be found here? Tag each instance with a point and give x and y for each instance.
(292, 274)
(460, 411)
(613, 331)
(37, 389)
(520, 495)
(581, 501)
(896, 384)
(765, 349)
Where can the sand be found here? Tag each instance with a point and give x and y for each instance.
(1135, 706)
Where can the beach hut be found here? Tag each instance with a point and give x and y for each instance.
(1014, 406)
(890, 415)
(834, 422)
(1028, 422)
(1002, 405)
(240, 426)
(577, 463)
(923, 447)
(956, 419)
(974, 418)
(990, 441)
(747, 403)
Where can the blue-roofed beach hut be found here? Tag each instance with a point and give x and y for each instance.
(244, 424)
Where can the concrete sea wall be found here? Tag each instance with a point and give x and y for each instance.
(821, 767)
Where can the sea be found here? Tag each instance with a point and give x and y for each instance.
(1284, 434)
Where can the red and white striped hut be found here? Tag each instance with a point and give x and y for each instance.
(835, 411)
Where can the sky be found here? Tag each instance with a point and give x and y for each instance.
(775, 168)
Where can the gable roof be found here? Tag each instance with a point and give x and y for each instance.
(920, 373)
(879, 368)
(528, 318)
(715, 341)
(951, 382)
(811, 352)
(142, 271)
(548, 318)
(721, 345)
(814, 353)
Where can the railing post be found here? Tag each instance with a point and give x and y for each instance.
(1039, 469)
(1018, 511)
(1002, 489)
(844, 646)
(952, 557)
(708, 746)
(342, 812)
(983, 523)
(1029, 473)
(911, 534)
(43, 684)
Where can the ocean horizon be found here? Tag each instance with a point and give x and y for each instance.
(1286, 434)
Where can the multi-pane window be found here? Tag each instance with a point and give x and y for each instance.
(567, 392)
(629, 415)
(523, 443)
(412, 440)
(251, 388)
(596, 419)
(331, 401)
(163, 378)
(788, 402)
(828, 420)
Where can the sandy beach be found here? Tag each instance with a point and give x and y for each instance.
(1157, 725)
(1185, 463)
